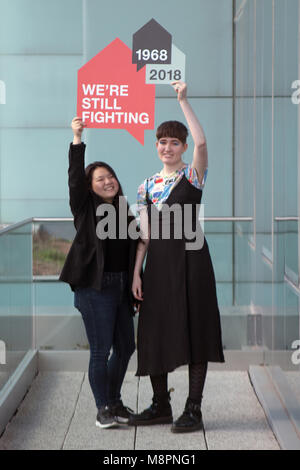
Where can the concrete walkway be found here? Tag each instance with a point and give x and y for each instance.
(58, 412)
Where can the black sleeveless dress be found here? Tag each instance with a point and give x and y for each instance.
(179, 319)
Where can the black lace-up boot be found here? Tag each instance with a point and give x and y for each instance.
(191, 418)
(160, 412)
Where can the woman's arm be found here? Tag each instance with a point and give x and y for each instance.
(139, 259)
(141, 251)
(77, 127)
(78, 189)
(200, 157)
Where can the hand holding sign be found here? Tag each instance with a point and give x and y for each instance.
(181, 90)
(77, 126)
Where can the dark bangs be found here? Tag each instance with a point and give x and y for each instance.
(172, 129)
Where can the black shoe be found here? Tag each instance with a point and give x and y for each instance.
(105, 419)
(121, 413)
(160, 412)
(190, 420)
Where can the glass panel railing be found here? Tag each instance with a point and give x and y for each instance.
(16, 307)
(283, 321)
(247, 298)
(291, 267)
(59, 325)
(51, 243)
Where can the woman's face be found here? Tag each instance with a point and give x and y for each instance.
(170, 150)
(104, 184)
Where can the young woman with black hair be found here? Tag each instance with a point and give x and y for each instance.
(100, 272)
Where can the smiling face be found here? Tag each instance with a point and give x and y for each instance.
(170, 150)
(104, 184)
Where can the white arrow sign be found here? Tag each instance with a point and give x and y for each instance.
(164, 74)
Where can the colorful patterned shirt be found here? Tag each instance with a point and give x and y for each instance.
(160, 187)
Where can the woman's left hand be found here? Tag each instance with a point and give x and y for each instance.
(137, 287)
(181, 90)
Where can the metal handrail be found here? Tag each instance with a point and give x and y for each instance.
(53, 219)
(281, 219)
(228, 219)
(16, 225)
(34, 219)
(70, 219)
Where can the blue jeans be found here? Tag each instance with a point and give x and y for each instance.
(109, 324)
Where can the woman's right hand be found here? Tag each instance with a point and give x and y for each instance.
(77, 128)
(181, 90)
(137, 287)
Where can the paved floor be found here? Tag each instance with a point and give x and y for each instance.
(59, 412)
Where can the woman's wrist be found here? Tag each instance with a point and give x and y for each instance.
(136, 273)
(183, 100)
(77, 139)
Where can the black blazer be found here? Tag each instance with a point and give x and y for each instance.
(85, 261)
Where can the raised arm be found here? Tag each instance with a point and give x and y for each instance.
(78, 189)
(200, 157)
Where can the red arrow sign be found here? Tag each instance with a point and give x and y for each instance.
(112, 94)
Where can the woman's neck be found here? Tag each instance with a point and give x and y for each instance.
(168, 169)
